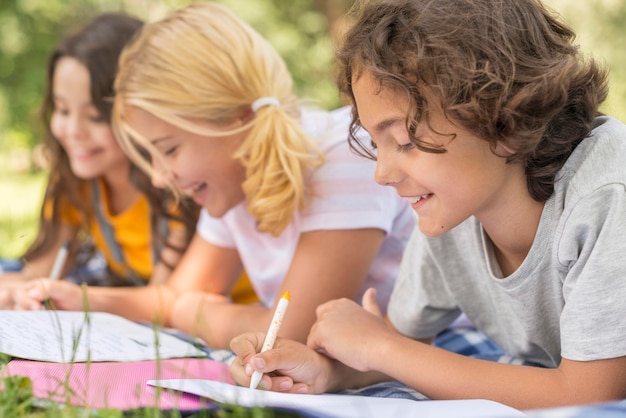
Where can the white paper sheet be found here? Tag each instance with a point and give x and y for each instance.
(344, 406)
(64, 336)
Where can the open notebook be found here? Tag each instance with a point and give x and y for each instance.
(66, 337)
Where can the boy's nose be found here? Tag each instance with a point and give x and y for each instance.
(385, 174)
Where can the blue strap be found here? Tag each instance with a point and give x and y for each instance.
(163, 229)
(109, 236)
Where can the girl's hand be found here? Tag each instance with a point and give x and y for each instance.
(350, 333)
(63, 295)
(289, 367)
(6, 299)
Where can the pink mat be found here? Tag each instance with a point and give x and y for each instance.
(118, 385)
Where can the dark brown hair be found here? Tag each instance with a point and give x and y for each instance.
(505, 70)
(97, 46)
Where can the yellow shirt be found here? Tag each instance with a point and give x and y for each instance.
(243, 292)
(132, 232)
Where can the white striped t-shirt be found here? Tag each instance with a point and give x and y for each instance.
(346, 197)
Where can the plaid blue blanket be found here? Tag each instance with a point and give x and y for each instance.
(606, 410)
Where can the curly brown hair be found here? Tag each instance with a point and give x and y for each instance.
(506, 70)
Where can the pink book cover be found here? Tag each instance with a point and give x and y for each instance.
(118, 385)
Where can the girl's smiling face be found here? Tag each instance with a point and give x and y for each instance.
(76, 123)
(199, 166)
(444, 189)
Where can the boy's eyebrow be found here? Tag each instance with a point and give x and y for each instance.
(385, 124)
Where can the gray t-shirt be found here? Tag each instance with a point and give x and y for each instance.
(567, 299)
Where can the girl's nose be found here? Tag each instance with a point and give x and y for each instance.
(76, 128)
(158, 181)
(161, 177)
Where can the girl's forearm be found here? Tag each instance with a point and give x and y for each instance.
(214, 319)
(151, 303)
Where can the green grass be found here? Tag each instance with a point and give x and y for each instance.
(17, 401)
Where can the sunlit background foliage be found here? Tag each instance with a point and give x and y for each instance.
(299, 29)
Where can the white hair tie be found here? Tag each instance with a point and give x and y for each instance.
(264, 101)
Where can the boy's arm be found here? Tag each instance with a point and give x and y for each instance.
(440, 374)
(369, 344)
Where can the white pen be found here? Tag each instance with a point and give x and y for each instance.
(59, 262)
(270, 337)
(57, 269)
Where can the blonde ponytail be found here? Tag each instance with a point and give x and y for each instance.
(277, 155)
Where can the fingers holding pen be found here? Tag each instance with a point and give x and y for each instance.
(288, 367)
(249, 359)
(245, 346)
(31, 295)
(294, 367)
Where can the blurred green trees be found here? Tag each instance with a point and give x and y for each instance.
(601, 32)
(300, 30)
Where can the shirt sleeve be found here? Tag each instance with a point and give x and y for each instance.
(214, 230)
(592, 248)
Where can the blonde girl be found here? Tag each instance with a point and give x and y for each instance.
(206, 106)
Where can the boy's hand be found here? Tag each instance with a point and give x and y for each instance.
(350, 333)
(289, 367)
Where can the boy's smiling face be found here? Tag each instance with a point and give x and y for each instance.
(444, 189)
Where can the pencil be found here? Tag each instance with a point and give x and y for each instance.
(57, 269)
(59, 262)
(270, 337)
